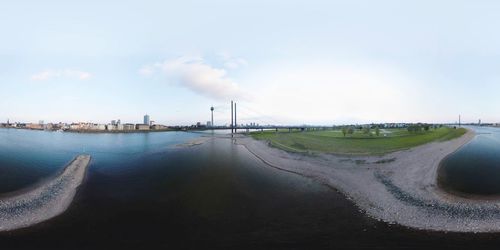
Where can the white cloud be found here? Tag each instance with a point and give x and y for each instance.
(60, 73)
(232, 62)
(198, 76)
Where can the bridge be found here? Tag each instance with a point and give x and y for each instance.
(246, 129)
(248, 112)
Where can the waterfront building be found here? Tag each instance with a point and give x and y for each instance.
(142, 126)
(95, 126)
(128, 126)
(101, 127)
(146, 120)
(34, 126)
(48, 126)
(74, 126)
(159, 127)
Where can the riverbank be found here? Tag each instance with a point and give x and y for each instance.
(359, 142)
(45, 200)
(400, 187)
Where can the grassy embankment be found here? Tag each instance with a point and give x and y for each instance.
(333, 141)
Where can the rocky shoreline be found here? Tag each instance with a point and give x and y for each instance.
(45, 200)
(397, 188)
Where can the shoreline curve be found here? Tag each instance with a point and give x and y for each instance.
(44, 201)
(402, 191)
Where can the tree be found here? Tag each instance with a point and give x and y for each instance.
(350, 131)
(344, 131)
(418, 128)
(413, 128)
(366, 130)
(377, 131)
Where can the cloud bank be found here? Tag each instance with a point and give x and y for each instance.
(60, 73)
(196, 75)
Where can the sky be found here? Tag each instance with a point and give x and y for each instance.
(283, 62)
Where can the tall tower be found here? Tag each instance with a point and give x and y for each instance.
(146, 120)
(212, 121)
(232, 117)
(235, 122)
(459, 121)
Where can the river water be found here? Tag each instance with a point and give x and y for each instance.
(145, 189)
(475, 168)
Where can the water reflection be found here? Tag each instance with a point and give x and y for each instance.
(475, 168)
(144, 190)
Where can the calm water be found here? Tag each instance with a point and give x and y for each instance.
(142, 189)
(475, 168)
(143, 192)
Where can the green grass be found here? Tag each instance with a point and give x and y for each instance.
(333, 141)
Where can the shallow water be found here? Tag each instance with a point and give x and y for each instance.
(475, 168)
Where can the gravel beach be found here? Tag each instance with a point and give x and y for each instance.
(398, 188)
(45, 200)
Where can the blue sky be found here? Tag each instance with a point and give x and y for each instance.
(288, 62)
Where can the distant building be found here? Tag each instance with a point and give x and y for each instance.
(96, 127)
(113, 122)
(209, 124)
(142, 126)
(34, 126)
(128, 126)
(74, 126)
(146, 120)
(158, 127)
(111, 127)
(48, 126)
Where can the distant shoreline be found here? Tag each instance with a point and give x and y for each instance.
(99, 131)
(84, 131)
(117, 131)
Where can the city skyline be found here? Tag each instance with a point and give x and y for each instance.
(320, 62)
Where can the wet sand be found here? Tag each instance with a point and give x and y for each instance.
(45, 200)
(193, 142)
(397, 188)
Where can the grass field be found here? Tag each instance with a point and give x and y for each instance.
(333, 141)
